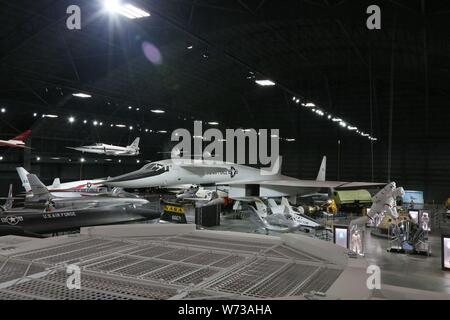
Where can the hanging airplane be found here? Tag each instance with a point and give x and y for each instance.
(67, 189)
(16, 142)
(110, 150)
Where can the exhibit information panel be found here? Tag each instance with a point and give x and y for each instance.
(341, 236)
(445, 240)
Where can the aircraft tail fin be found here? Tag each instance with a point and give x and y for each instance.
(10, 200)
(272, 203)
(321, 175)
(285, 202)
(135, 143)
(23, 177)
(37, 187)
(22, 136)
(56, 183)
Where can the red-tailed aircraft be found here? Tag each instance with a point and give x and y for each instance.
(16, 142)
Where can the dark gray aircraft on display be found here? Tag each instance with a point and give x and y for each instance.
(44, 214)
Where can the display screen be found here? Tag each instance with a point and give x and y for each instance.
(446, 253)
(413, 197)
(340, 236)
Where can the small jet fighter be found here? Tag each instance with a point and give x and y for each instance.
(111, 150)
(16, 142)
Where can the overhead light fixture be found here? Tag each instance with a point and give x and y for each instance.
(138, 161)
(190, 47)
(130, 107)
(49, 116)
(320, 112)
(95, 122)
(352, 128)
(38, 158)
(146, 130)
(265, 82)
(290, 139)
(297, 101)
(365, 134)
(120, 160)
(35, 114)
(101, 123)
(137, 109)
(120, 125)
(71, 119)
(294, 98)
(82, 160)
(55, 158)
(329, 116)
(2, 110)
(308, 104)
(164, 131)
(1, 158)
(336, 119)
(342, 124)
(157, 111)
(213, 123)
(84, 121)
(130, 127)
(127, 10)
(81, 95)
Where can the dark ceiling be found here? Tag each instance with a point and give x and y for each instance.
(391, 83)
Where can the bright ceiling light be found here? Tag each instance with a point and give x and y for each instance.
(82, 160)
(127, 10)
(120, 125)
(352, 128)
(2, 110)
(49, 116)
(190, 47)
(342, 124)
(130, 127)
(35, 114)
(164, 131)
(336, 119)
(71, 119)
(365, 134)
(157, 111)
(95, 123)
(213, 123)
(290, 139)
(265, 83)
(308, 104)
(1, 158)
(81, 95)
(84, 121)
(297, 101)
(38, 158)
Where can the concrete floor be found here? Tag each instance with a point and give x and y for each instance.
(411, 271)
(397, 269)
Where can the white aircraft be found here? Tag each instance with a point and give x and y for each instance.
(279, 218)
(241, 180)
(67, 189)
(16, 142)
(111, 150)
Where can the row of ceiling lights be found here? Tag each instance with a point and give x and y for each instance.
(311, 106)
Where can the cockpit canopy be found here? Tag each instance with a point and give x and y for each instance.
(153, 167)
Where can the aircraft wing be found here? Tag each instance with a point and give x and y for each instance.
(296, 183)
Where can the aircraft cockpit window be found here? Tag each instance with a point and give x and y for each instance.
(152, 167)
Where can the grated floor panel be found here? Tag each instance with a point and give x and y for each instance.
(187, 266)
